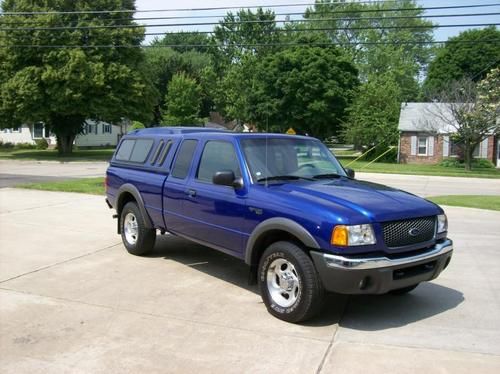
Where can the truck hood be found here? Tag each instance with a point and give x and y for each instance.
(376, 202)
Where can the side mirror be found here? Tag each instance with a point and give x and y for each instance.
(227, 178)
(350, 173)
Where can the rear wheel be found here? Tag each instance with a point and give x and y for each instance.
(404, 290)
(289, 284)
(137, 238)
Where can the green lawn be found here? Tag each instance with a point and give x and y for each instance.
(469, 201)
(415, 169)
(52, 155)
(94, 186)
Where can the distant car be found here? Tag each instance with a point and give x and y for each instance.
(281, 203)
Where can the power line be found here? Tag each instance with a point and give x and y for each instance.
(196, 9)
(279, 14)
(326, 29)
(493, 41)
(239, 22)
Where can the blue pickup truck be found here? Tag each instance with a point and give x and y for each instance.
(284, 205)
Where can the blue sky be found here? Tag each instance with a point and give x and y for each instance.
(440, 34)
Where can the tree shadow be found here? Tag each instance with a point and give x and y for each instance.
(359, 312)
(382, 312)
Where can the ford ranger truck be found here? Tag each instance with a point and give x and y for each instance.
(281, 203)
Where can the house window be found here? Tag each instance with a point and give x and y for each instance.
(106, 128)
(422, 145)
(90, 128)
(38, 130)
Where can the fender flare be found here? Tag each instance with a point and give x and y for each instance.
(278, 223)
(131, 189)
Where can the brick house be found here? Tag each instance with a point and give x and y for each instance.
(424, 137)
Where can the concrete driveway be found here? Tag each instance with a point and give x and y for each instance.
(72, 300)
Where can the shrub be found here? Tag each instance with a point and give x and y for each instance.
(7, 145)
(390, 156)
(41, 144)
(25, 146)
(477, 163)
(137, 125)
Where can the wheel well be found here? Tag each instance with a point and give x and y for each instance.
(124, 198)
(270, 237)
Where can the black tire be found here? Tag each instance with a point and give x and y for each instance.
(404, 290)
(144, 239)
(309, 295)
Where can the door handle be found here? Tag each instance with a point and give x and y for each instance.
(191, 193)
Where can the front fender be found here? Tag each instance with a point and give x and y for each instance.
(282, 224)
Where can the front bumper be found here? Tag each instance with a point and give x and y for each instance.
(377, 275)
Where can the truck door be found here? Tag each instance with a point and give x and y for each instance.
(217, 212)
(175, 189)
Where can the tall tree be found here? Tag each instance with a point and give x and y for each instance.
(362, 28)
(65, 86)
(466, 56)
(374, 114)
(183, 101)
(307, 88)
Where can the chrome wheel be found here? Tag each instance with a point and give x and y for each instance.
(130, 228)
(283, 282)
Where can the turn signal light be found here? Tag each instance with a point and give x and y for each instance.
(340, 236)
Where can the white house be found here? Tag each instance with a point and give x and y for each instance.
(95, 134)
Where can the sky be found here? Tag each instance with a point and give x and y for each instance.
(439, 34)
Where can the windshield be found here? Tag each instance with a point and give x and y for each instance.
(289, 158)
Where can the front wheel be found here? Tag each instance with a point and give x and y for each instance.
(137, 238)
(289, 284)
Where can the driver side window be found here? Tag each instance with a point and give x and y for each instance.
(217, 156)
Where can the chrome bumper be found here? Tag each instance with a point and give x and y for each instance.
(346, 263)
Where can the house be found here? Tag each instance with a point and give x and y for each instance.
(425, 131)
(94, 134)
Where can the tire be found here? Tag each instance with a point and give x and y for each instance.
(289, 284)
(136, 237)
(404, 290)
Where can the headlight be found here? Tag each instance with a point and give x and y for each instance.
(352, 235)
(442, 223)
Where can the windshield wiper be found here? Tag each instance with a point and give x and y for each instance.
(283, 178)
(327, 176)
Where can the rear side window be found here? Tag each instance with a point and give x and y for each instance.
(217, 156)
(134, 150)
(184, 158)
(125, 150)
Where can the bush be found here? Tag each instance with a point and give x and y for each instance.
(137, 125)
(41, 144)
(25, 146)
(7, 145)
(477, 163)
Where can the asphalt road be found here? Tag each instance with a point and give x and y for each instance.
(72, 300)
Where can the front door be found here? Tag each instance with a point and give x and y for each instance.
(217, 213)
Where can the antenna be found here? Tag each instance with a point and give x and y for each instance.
(267, 136)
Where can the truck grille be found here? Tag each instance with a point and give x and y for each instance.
(408, 232)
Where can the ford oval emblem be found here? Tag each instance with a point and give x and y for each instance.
(414, 231)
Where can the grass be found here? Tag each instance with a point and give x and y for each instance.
(418, 169)
(469, 201)
(52, 155)
(94, 186)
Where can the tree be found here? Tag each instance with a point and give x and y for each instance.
(163, 63)
(183, 101)
(307, 88)
(65, 86)
(373, 116)
(362, 28)
(471, 110)
(463, 57)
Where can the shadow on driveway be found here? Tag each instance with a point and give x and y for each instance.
(358, 312)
